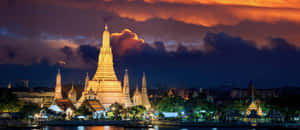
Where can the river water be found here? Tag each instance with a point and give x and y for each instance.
(122, 128)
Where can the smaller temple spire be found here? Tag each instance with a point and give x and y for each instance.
(125, 83)
(137, 91)
(252, 91)
(58, 87)
(137, 98)
(9, 85)
(145, 99)
(86, 81)
(72, 95)
(144, 83)
(126, 90)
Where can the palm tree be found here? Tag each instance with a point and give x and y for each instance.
(137, 110)
(116, 109)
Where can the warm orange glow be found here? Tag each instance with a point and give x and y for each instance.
(207, 13)
(267, 15)
(126, 40)
(255, 3)
(61, 62)
(103, 128)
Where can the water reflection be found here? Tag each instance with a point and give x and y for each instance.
(80, 127)
(103, 128)
(122, 128)
(83, 128)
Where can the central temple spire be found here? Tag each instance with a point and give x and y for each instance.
(106, 38)
(104, 84)
(105, 69)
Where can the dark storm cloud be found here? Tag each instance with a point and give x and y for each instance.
(67, 51)
(233, 60)
(89, 53)
(223, 44)
(20, 49)
(281, 44)
(160, 47)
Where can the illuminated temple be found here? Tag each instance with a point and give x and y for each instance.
(254, 105)
(105, 85)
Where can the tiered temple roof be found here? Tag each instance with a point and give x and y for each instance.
(95, 105)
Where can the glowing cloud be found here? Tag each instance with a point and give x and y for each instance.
(126, 40)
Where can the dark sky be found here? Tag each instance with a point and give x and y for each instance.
(178, 43)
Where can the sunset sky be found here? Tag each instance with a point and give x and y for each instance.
(181, 43)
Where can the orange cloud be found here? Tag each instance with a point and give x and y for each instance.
(125, 41)
(207, 13)
(255, 3)
(276, 18)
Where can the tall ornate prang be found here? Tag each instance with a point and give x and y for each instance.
(126, 90)
(104, 83)
(105, 69)
(58, 87)
(145, 98)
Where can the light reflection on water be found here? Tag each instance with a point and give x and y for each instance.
(122, 128)
(83, 128)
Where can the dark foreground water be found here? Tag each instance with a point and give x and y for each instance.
(122, 128)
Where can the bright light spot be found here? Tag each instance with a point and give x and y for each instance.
(106, 127)
(170, 114)
(46, 128)
(156, 127)
(80, 128)
(55, 108)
